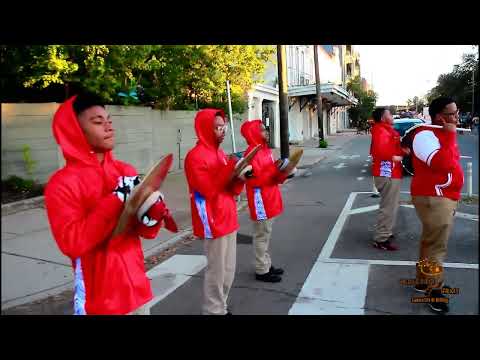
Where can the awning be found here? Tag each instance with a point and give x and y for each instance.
(334, 94)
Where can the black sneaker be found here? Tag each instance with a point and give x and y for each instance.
(276, 271)
(385, 245)
(228, 313)
(439, 302)
(268, 277)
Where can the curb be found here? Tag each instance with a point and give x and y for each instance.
(22, 205)
(168, 243)
(309, 166)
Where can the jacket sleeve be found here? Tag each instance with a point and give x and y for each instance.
(262, 175)
(236, 187)
(201, 178)
(164, 218)
(427, 148)
(148, 232)
(265, 175)
(382, 146)
(75, 229)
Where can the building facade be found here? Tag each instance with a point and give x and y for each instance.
(302, 116)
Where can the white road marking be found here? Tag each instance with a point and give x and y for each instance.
(366, 165)
(473, 217)
(337, 228)
(465, 194)
(344, 157)
(363, 209)
(465, 157)
(364, 171)
(396, 262)
(339, 286)
(172, 273)
(360, 178)
(339, 166)
(333, 289)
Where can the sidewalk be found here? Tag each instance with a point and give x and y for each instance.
(29, 249)
(32, 266)
(312, 154)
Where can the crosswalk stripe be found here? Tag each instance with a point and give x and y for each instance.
(173, 273)
(333, 289)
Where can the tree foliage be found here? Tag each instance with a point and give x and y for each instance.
(164, 76)
(416, 104)
(458, 83)
(366, 103)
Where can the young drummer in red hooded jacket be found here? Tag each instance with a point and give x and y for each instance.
(84, 200)
(214, 209)
(387, 170)
(264, 198)
(436, 189)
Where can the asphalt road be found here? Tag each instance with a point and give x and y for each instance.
(323, 241)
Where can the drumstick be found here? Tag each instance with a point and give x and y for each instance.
(441, 127)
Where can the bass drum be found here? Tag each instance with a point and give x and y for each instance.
(407, 165)
(407, 141)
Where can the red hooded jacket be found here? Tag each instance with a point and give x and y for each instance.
(436, 163)
(212, 196)
(263, 193)
(385, 144)
(83, 211)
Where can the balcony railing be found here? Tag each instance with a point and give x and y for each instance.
(299, 78)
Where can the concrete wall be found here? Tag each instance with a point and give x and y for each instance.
(143, 135)
(28, 124)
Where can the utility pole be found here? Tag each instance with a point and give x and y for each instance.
(473, 92)
(478, 67)
(230, 114)
(283, 101)
(319, 98)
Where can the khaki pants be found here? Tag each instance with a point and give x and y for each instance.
(221, 261)
(389, 190)
(436, 215)
(262, 232)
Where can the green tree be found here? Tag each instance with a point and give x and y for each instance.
(366, 103)
(416, 104)
(458, 83)
(171, 77)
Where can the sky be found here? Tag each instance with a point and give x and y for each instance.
(400, 72)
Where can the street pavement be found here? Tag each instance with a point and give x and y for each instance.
(322, 240)
(46, 281)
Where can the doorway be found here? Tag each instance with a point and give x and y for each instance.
(268, 119)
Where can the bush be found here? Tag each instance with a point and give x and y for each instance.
(17, 184)
(323, 144)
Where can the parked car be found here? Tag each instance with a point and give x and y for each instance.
(402, 125)
(465, 120)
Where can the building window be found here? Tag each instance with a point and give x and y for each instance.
(297, 63)
(302, 68)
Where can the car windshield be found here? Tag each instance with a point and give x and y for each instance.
(404, 125)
